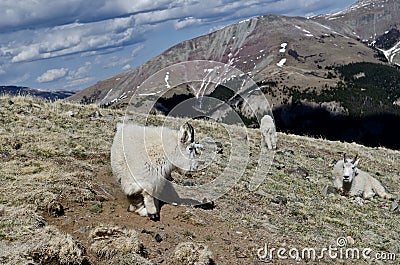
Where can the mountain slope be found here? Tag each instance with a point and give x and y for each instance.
(254, 47)
(373, 22)
(60, 204)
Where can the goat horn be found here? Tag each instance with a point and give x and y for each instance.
(344, 157)
(355, 159)
(191, 132)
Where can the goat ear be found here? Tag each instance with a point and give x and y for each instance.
(186, 133)
(356, 162)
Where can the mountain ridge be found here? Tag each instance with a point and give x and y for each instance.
(50, 95)
(324, 40)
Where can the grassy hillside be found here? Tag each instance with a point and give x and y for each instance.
(365, 89)
(59, 203)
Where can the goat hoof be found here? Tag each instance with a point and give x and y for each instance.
(154, 217)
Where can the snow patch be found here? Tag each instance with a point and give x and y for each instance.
(148, 94)
(108, 93)
(166, 80)
(392, 52)
(281, 62)
(283, 47)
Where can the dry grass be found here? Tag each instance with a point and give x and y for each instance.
(51, 162)
(189, 253)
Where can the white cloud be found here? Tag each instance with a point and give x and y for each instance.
(52, 75)
(189, 21)
(81, 72)
(78, 82)
(126, 67)
(48, 29)
(70, 32)
(136, 50)
(116, 61)
(20, 79)
(16, 15)
(74, 38)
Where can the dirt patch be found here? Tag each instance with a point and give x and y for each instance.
(227, 242)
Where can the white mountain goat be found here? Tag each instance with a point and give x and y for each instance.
(142, 159)
(268, 131)
(351, 181)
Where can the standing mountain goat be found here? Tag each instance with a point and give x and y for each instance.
(351, 181)
(142, 159)
(268, 131)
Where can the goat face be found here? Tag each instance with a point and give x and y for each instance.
(186, 158)
(192, 151)
(349, 170)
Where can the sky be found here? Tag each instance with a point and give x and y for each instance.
(70, 45)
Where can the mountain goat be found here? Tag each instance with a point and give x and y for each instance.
(351, 181)
(142, 159)
(268, 131)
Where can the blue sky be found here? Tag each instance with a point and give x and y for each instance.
(58, 44)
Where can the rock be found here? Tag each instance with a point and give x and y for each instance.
(299, 172)
(70, 113)
(359, 200)
(40, 221)
(328, 190)
(158, 238)
(55, 208)
(395, 206)
(17, 146)
(2, 210)
(279, 200)
(84, 229)
(192, 253)
(206, 205)
(350, 240)
(101, 198)
(96, 114)
(220, 149)
(188, 184)
(145, 231)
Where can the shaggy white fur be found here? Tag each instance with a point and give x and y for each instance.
(142, 159)
(268, 131)
(351, 181)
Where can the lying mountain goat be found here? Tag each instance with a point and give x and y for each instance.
(351, 181)
(142, 159)
(268, 131)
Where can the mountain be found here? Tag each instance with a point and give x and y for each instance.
(50, 95)
(338, 68)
